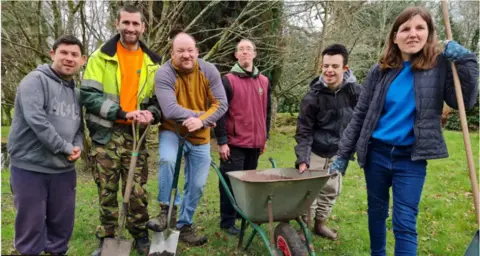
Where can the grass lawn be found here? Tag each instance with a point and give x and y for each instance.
(5, 132)
(446, 222)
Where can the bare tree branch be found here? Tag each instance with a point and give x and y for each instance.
(207, 8)
(27, 47)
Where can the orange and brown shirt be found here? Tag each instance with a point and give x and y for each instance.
(199, 93)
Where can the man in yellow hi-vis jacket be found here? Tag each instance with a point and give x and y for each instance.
(118, 89)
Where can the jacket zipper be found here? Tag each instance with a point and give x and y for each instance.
(339, 111)
(417, 111)
(254, 117)
(143, 86)
(382, 103)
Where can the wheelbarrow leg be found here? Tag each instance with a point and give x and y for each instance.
(250, 239)
(308, 236)
(242, 233)
(259, 230)
(266, 240)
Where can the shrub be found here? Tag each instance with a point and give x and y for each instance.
(453, 120)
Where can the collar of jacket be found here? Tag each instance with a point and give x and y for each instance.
(110, 49)
(241, 72)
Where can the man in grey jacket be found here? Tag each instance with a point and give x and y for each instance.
(44, 142)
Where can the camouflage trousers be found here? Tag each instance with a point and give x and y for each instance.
(111, 163)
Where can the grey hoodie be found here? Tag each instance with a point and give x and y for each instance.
(46, 124)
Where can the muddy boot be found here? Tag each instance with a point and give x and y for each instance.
(159, 223)
(321, 230)
(142, 245)
(188, 236)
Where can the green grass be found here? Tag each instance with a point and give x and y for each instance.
(5, 132)
(446, 222)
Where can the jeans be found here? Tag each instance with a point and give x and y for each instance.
(391, 166)
(197, 165)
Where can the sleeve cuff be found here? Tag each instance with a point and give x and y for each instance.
(298, 162)
(157, 116)
(121, 114)
(80, 146)
(222, 140)
(68, 149)
(205, 123)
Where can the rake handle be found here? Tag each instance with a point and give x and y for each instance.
(463, 117)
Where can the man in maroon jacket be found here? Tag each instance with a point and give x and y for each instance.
(243, 131)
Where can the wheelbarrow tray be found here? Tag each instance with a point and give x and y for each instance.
(287, 187)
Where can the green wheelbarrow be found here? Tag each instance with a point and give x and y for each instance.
(275, 195)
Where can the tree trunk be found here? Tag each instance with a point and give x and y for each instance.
(7, 113)
(273, 123)
(318, 61)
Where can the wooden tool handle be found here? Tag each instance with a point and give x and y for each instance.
(463, 117)
(133, 162)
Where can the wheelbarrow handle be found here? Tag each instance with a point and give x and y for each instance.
(272, 161)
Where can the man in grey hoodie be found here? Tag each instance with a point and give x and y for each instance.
(324, 113)
(44, 143)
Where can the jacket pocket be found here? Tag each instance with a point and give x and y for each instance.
(33, 155)
(44, 157)
(231, 128)
(234, 130)
(37, 148)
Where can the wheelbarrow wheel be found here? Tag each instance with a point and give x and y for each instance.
(288, 241)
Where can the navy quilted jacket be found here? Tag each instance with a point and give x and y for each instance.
(432, 87)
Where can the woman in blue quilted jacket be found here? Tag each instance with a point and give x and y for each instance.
(396, 125)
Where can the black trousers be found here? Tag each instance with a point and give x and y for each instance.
(240, 159)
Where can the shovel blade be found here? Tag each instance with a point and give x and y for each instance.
(473, 248)
(114, 247)
(164, 243)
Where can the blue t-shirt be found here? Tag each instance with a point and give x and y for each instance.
(395, 126)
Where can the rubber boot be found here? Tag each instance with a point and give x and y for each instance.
(322, 230)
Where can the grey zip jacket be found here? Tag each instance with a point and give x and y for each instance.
(46, 124)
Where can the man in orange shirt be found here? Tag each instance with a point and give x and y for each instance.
(117, 90)
(190, 91)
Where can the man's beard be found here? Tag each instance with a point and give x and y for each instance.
(130, 41)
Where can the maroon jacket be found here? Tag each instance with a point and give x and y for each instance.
(247, 121)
